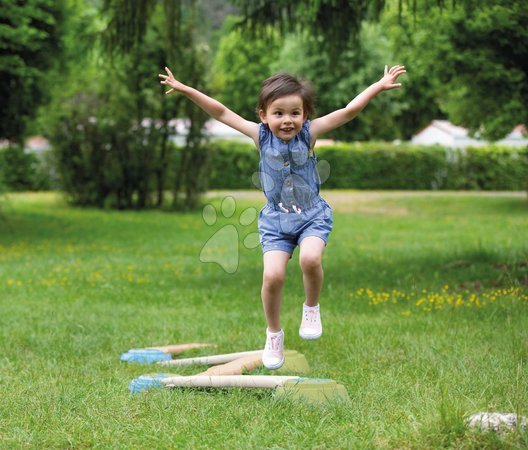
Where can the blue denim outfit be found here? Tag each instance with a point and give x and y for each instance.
(290, 181)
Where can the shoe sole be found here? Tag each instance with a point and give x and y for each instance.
(274, 366)
(310, 337)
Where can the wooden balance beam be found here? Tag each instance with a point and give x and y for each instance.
(294, 361)
(151, 355)
(299, 388)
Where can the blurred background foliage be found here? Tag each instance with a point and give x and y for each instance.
(84, 75)
(384, 165)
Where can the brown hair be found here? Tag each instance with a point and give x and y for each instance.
(283, 84)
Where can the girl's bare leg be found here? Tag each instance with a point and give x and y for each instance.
(275, 263)
(310, 259)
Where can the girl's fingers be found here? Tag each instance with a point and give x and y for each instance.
(169, 72)
(396, 67)
(169, 91)
(397, 73)
(394, 70)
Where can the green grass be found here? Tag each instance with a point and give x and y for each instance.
(425, 309)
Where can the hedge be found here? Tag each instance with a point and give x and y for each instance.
(376, 165)
(23, 171)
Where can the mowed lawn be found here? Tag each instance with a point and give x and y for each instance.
(425, 314)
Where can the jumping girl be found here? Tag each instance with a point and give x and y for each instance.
(295, 214)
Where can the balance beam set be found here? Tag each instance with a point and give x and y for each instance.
(227, 371)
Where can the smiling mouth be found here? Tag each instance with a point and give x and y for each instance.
(286, 130)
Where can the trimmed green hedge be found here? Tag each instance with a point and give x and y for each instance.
(232, 165)
(376, 165)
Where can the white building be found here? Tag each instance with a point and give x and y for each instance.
(213, 129)
(444, 133)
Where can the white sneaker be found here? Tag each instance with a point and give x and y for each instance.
(273, 355)
(311, 326)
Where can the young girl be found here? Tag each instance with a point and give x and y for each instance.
(295, 214)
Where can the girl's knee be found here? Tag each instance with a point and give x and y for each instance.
(310, 262)
(273, 278)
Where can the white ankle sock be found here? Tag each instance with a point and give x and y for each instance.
(310, 308)
(273, 333)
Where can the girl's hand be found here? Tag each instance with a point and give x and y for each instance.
(391, 75)
(170, 81)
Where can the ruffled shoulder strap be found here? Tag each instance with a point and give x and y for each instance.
(264, 134)
(304, 134)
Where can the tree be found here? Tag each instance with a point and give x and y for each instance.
(473, 62)
(338, 22)
(343, 35)
(338, 80)
(243, 61)
(240, 65)
(110, 123)
(419, 101)
(471, 55)
(177, 28)
(30, 44)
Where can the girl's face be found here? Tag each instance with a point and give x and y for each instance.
(284, 116)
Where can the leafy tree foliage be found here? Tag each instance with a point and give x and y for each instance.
(337, 21)
(173, 34)
(104, 157)
(474, 61)
(21, 170)
(240, 66)
(243, 62)
(29, 45)
(418, 97)
(465, 59)
(338, 80)
(110, 123)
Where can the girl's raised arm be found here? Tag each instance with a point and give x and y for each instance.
(211, 106)
(337, 118)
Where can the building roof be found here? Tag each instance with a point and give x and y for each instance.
(445, 133)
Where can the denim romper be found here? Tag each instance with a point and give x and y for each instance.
(290, 181)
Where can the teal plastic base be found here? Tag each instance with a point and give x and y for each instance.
(145, 382)
(144, 356)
